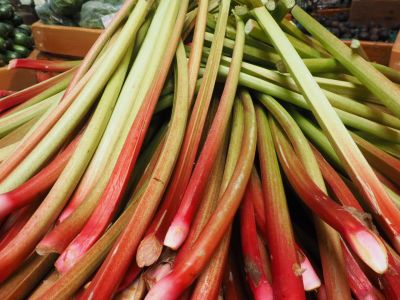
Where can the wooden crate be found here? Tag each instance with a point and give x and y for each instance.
(377, 51)
(380, 11)
(64, 40)
(395, 56)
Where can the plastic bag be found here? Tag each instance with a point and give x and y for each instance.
(66, 8)
(94, 13)
(47, 16)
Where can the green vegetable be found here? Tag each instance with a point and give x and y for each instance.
(3, 60)
(23, 39)
(21, 50)
(93, 11)
(5, 29)
(6, 12)
(17, 20)
(66, 8)
(3, 44)
(12, 55)
(26, 28)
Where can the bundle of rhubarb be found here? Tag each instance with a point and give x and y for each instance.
(203, 149)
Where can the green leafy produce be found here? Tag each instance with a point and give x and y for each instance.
(6, 12)
(23, 39)
(66, 8)
(48, 16)
(93, 11)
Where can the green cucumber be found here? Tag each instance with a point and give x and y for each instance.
(12, 55)
(17, 20)
(5, 29)
(23, 39)
(3, 44)
(26, 28)
(3, 60)
(6, 12)
(23, 51)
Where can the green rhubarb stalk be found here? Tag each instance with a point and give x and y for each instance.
(297, 99)
(328, 239)
(17, 134)
(197, 46)
(378, 84)
(356, 165)
(253, 30)
(18, 118)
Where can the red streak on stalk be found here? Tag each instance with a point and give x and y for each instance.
(41, 182)
(387, 182)
(255, 274)
(359, 283)
(180, 226)
(26, 94)
(189, 267)
(4, 93)
(116, 187)
(390, 280)
(42, 65)
(362, 240)
(14, 224)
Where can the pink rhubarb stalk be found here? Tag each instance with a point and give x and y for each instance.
(190, 266)
(255, 274)
(5, 93)
(43, 65)
(362, 240)
(41, 182)
(180, 226)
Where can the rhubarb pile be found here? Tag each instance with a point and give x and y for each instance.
(203, 149)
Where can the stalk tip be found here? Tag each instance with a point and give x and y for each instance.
(149, 251)
(176, 235)
(370, 249)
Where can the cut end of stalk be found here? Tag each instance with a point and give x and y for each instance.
(162, 290)
(149, 251)
(66, 260)
(370, 249)
(44, 249)
(311, 280)
(176, 235)
(249, 27)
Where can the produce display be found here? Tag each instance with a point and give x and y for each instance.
(89, 14)
(340, 26)
(15, 37)
(203, 149)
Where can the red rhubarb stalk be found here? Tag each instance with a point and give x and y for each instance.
(41, 182)
(255, 274)
(180, 226)
(286, 272)
(14, 224)
(233, 286)
(43, 65)
(156, 233)
(190, 266)
(362, 240)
